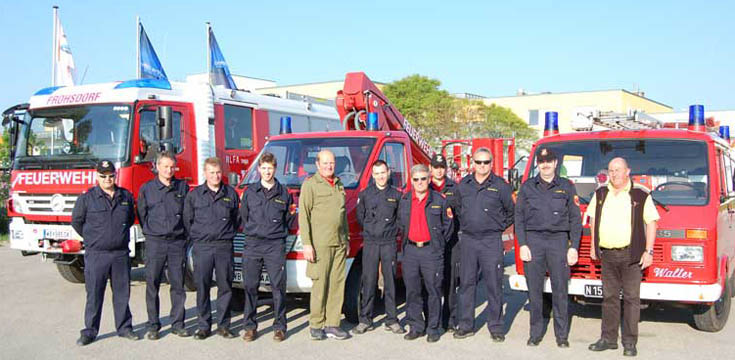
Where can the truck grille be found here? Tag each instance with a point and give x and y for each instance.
(588, 269)
(45, 204)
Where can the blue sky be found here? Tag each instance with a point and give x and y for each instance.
(679, 53)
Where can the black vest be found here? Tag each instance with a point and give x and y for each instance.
(638, 228)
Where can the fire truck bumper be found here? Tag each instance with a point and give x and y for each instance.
(591, 288)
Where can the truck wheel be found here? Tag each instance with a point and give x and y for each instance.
(189, 284)
(73, 273)
(351, 305)
(238, 300)
(712, 318)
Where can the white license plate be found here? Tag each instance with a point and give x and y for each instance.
(594, 291)
(56, 234)
(238, 276)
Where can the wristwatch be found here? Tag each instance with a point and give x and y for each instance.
(650, 252)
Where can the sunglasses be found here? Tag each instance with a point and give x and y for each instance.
(420, 179)
(483, 162)
(110, 176)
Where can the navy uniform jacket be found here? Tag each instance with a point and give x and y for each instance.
(377, 212)
(210, 216)
(266, 214)
(161, 208)
(104, 223)
(484, 208)
(548, 207)
(450, 192)
(439, 219)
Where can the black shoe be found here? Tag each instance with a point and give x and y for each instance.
(201, 334)
(629, 350)
(181, 332)
(317, 334)
(152, 334)
(226, 333)
(498, 338)
(362, 328)
(413, 335)
(461, 334)
(336, 332)
(432, 338)
(602, 345)
(130, 335)
(563, 343)
(533, 342)
(84, 340)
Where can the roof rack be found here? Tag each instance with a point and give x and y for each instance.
(632, 120)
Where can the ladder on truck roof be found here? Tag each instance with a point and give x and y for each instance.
(632, 120)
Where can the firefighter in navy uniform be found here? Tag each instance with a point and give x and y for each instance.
(211, 219)
(486, 210)
(377, 210)
(267, 213)
(444, 185)
(103, 216)
(548, 227)
(427, 223)
(160, 210)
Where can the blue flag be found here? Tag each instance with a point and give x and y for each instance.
(219, 73)
(150, 66)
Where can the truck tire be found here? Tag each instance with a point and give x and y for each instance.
(712, 318)
(73, 273)
(237, 304)
(189, 284)
(351, 305)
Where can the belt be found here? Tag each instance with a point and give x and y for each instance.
(616, 249)
(419, 244)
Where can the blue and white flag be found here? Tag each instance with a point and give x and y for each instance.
(150, 66)
(219, 73)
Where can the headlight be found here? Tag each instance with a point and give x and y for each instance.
(687, 253)
(17, 203)
(293, 243)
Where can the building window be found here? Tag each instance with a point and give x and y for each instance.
(532, 117)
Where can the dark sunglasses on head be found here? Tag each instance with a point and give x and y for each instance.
(109, 176)
(421, 179)
(483, 162)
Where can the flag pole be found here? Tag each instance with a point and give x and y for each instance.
(54, 44)
(209, 54)
(137, 47)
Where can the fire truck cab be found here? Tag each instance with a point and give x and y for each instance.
(64, 131)
(689, 174)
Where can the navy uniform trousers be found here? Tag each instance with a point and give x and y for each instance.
(270, 253)
(99, 266)
(548, 253)
(161, 254)
(486, 254)
(374, 255)
(213, 256)
(423, 266)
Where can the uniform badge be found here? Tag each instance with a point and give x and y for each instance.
(492, 189)
(105, 163)
(449, 213)
(279, 201)
(226, 199)
(436, 207)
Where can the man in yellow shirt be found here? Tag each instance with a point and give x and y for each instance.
(623, 222)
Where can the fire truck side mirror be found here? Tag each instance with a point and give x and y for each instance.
(514, 178)
(165, 123)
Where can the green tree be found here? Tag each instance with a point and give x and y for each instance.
(482, 120)
(4, 179)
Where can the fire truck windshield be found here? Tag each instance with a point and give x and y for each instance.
(675, 171)
(82, 134)
(297, 159)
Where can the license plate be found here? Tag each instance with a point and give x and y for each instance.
(56, 234)
(594, 291)
(238, 276)
(265, 279)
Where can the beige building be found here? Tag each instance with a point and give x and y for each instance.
(532, 107)
(324, 92)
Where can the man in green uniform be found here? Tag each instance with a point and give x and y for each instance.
(324, 233)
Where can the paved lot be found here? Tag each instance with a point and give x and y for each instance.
(42, 314)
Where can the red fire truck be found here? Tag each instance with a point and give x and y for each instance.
(689, 173)
(64, 131)
(390, 138)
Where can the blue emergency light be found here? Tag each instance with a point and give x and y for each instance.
(551, 123)
(145, 83)
(696, 118)
(725, 132)
(372, 123)
(285, 125)
(47, 91)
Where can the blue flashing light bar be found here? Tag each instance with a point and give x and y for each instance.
(47, 91)
(725, 132)
(551, 123)
(696, 115)
(372, 124)
(285, 125)
(145, 83)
